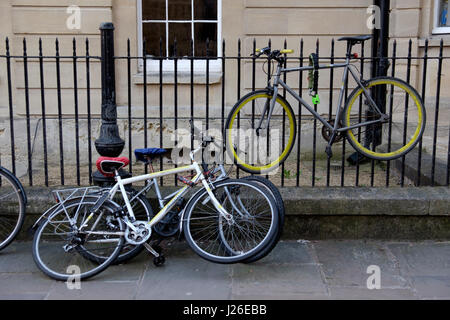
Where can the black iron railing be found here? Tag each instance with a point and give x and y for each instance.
(306, 166)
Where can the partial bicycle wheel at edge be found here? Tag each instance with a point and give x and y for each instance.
(12, 202)
(395, 136)
(253, 226)
(57, 245)
(260, 150)
(275, 193)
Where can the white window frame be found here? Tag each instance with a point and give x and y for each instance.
(183, 65)
(436, 28)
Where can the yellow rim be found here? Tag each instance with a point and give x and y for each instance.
(288, 145)
(404, 148)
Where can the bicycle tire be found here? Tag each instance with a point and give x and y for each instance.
(403, 109)
(11, 196)
(281, 216)
(207, 218)
(234, 122)
(70, 258)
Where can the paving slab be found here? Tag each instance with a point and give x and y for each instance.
(17, 257)
(288, 252)
(186, 278)
(24, 285)
(355, 293)
(94, 290)
(432, 287)
(346, 263)
(423, 258)
(275, 281)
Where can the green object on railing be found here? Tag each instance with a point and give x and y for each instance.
(316, 99)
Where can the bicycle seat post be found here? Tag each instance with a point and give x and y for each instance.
(148, 163)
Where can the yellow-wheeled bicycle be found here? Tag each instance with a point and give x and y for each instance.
(383, 118)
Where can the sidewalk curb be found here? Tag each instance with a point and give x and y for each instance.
(337, 213)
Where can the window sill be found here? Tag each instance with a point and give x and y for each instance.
(183, 77)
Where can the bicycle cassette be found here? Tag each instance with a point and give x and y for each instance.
(141, 235)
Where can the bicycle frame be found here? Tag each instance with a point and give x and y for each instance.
(121, 183)
(154, 183)
(278, 82)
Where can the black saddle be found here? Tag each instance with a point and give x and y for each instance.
(356, 39)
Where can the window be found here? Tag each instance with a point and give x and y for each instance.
(441, 18)
(194, 24)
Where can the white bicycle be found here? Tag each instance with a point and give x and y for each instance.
(227, 221)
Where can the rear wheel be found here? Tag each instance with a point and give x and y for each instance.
(389, 138)
(59, 247)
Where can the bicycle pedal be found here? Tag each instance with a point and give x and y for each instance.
(159, 261)
(151, 250)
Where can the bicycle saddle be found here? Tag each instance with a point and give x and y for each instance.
(356, 39)
(149, 153)
(108, 165)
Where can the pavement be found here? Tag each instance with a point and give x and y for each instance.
(295, 270)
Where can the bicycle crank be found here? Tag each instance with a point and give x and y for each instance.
(141, 235)
(327, 132)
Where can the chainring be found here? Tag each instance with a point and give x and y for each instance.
(326, 132)
(141, 236)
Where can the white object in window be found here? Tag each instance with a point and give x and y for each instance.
(441, 17)
(182, 20)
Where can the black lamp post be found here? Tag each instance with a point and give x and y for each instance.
(380, 66)
(109, 144)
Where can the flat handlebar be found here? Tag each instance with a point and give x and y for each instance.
(275, 54)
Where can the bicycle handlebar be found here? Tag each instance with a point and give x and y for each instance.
(275, 54)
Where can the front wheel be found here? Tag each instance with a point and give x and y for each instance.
(395, 135)
(256, 144)
(253, 224)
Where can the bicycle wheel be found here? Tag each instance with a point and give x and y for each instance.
(58, 246)
(253, 225)
(275, 193)
(12, 202)
(395, 136)
(260, 148)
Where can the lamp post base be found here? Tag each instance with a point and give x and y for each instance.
(102, 181)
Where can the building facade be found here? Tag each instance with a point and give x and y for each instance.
(156, 24)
